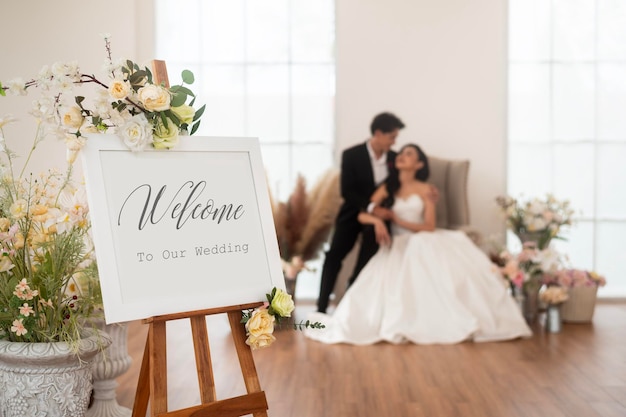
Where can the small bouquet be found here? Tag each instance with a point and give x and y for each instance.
(554, 295)
(528, 267)
(539, 220)
(260, 321)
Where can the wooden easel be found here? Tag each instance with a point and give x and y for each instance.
(152, 384)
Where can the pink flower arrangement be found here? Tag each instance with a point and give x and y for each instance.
(571, 278)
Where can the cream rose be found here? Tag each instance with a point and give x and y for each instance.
(261, 322)
(73, 117)
(165, 137)
(119, 89)
(136, 132)
(282, 303)
(261, 341)
(184, 113)
(154, 97)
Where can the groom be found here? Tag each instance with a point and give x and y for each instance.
(363, 168)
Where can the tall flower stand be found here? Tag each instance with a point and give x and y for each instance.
(107, 366)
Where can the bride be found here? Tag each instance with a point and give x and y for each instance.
(424, 285)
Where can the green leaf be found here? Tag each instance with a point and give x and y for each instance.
(199, 112)
(180, 89)
(137, 77)
(79, 99)
(188, 77)
(194, 128)
(129, 64)
(179, 99)
(2, 92)
(173, 117)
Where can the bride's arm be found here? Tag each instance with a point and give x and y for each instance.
(430, 218)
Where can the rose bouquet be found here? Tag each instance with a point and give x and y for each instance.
(131, 103)
(528, 267)
(260, 322)
(536, 219)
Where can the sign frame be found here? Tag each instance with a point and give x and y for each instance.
(206, 189)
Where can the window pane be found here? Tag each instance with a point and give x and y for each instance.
(224, 97)
(268, 103)
(277, 161)
(611, 261)
(574, 30)
(267, 36)
(611, 29)
(223, 31)
(611, 101)
(529, 102)
(574, 176)
(612, 181)
(573, 104)
(311, 161)
(529, 27)
(530, 170)
(177, 42)
(578, 246)
(312, 30)
(313, 94)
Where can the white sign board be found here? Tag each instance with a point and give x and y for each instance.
(183, 229)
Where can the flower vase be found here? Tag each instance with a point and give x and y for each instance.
(554, 323)
(290, 285)
(540, 239)
(580, 305)
(106, 367)
(51, 379)
(531, 301)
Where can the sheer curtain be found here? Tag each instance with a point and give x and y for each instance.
(567, 124)
(266, 69)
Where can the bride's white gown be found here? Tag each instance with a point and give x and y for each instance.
(428, 287)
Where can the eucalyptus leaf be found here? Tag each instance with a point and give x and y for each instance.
(194, 128)
(179, 99)
(180, 89)
(199, 112)
(187, 77)
(79, 99)
(173, 117)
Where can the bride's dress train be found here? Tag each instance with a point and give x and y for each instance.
(428, 287)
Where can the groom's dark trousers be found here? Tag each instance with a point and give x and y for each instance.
(357, 186)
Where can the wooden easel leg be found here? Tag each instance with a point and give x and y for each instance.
(204, 367)
(246, 361)
(142, 396)
(158, 368)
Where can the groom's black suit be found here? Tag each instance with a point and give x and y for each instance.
(357, 186)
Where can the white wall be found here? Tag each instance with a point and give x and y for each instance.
(441, 67)
(38, 33)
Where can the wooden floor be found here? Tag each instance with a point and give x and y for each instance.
(580, 372)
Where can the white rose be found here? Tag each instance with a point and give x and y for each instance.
(136, 132)
(154, 97)
(119, 89)
(73, 117)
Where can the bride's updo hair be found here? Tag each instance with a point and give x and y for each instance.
(392, 182)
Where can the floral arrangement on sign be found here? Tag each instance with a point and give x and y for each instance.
(48, 275)
(260, 322)
(142, 112)
(539, 220)
(304, 222)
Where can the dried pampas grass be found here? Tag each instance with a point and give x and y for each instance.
(305, 221)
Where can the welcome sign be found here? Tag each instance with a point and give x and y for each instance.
(183, 229)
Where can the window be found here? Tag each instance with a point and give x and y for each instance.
(264, 68)
(567, 124)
